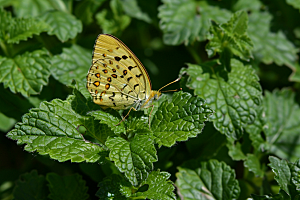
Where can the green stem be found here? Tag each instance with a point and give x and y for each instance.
(194, 54)
(4, 48)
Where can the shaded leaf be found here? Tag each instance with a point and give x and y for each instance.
(187, 21)
(270, 47)
(132, 9)
(31, 186)
(159, 187)
(113, 21)
(71, 64)
(114, 187)
(207, 180)
(282, 124)
(67, 187)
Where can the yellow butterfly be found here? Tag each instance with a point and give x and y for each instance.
(117, 79)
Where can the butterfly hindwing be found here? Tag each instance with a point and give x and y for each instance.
(116, 79)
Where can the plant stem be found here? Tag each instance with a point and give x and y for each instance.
(194, 54)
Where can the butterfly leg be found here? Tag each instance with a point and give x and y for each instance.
(126, 115)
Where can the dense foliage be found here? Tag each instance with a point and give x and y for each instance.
(231, 133)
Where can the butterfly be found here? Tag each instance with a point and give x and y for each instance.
(117, 79)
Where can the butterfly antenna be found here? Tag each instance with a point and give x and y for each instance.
(172, 90)
(170, 83)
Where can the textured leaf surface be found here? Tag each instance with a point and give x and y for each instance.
(270, 47)
(67, 187)
(283, 124)
(234, 96)
(37, 7)
(207, 180)
(185, 21)
(159, 187)
(31, 186)
(179, 119)
(231, 35)
(21, 29)
(52, 129)
(134, 157)
(114, 186)
(111, 118)
(64, 25)
(71, 64)
(287, 176)
(26, 73)
(82, 105)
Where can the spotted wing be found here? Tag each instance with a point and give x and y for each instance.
(117, 78)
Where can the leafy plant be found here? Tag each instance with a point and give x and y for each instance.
(231, 133)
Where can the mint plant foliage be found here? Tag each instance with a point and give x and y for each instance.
(228, 129)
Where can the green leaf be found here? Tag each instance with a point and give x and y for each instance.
(64, 25)
(187, 21)
(94, 129)
(234, 96)
(85, 9)
(287, 176)
(207, 180)
(179, 119)
(52, 129)
(208, 143)
(133, 157)
(253, 5)
(159, 187)
(113, 21)
(283, 124)
(230, 36)
(33, 8)
(26, 73)
(132, 9)
(114, 187)
(67, 187)
(255, 129)
(270, 47)
(235, 150)
(294, 3)
(31, 186)
(71, 64)
(253, 164)
(5, 21)
(6, 123)
(21, 29)
(282, 172)
(110, 118)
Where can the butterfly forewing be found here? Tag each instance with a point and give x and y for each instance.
(116, 79)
